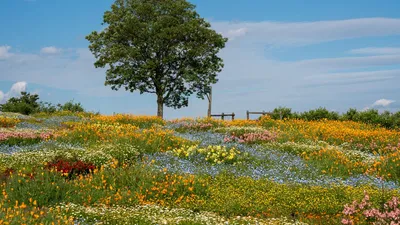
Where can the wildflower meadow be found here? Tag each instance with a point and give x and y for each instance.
(83, 168)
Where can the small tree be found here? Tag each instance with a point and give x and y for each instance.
(25, 104)
(281, 113)
(71, 106)
(160, 47)
(47, 107)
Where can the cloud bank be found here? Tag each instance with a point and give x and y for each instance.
(14, 91)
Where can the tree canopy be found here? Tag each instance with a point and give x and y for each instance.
(158, 46)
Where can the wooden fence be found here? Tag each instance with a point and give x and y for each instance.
(248, 113)
(223, 115)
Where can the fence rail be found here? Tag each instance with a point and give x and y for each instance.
(248, 113)
(223, 115)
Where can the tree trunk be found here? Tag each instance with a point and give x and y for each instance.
(209, 96)
(160, 106)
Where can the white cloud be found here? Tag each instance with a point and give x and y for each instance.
(383, 102)
(17, 88)
(376, 51)
(4, 52)
(304, 33)
(50, 50)
(232, 34)
(14, 91)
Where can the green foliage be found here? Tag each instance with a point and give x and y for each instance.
(351, 114)
(71, 106)
(318, 114)
(281, 113)
(47, 107)
(372, 116)
(28, 104)
(25, 104)
(314, 114)
(160, 47)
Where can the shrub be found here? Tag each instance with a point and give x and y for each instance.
(47, 107)
(26, 104)
(71, 106)
(281, 113)
(318, 114)
(372, 116)
(351, 114)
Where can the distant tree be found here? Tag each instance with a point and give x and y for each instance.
(351, 114)
(28, 103)
(281, 113)
(160, 47)
(71, 106)
(47, 107)
(318, 114)
(25, 104)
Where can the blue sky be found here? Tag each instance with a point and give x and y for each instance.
(337, 54)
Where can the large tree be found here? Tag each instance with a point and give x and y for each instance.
(158, 46)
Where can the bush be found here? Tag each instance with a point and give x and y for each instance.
(281, 113)
(71, 106)
(47, 107)
(351, 114)
(26, 104)
(372, 116)
(318, 114)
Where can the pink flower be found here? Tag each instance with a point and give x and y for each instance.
(346, 221)
(389, 215)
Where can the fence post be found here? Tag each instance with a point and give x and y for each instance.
(247, 114)
(223, 116)
(233, 116)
